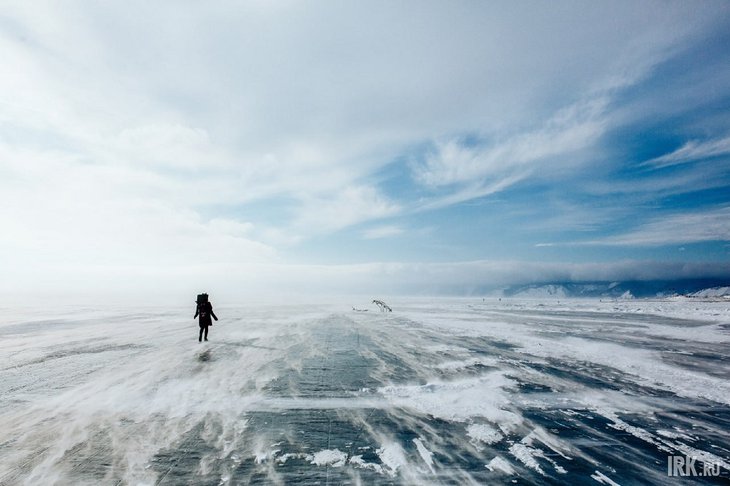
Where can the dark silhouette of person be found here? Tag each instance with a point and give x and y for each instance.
(204, 311)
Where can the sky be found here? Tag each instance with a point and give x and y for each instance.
(288, 147)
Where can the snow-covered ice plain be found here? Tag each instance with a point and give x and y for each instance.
(436, 392)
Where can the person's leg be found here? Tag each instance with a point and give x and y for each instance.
(206, 333)
(200, 336)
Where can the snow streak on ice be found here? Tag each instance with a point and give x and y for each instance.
(438, 391)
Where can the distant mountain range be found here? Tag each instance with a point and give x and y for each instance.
(699, 288)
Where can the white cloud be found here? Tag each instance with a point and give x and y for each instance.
(692, 151)
(571, 129)
(690, 227)
(169, 146)
(55, 210)
(127, 127)
(379, 232)
(468, 192)
(700, 176)
(346, 207)
(678, 228)
(470, 171)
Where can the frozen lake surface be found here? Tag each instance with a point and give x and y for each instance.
(437, 392)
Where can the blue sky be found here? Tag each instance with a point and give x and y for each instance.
(401, 147)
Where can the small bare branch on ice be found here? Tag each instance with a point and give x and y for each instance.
(383, 306)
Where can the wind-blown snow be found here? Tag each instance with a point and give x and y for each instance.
(425, 454)
(455, 391)
(393, 457)
(483, 433)
(457, 400)
(328, 457)
(500, 464)
(603, 479)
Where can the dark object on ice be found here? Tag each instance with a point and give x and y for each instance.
(383, 306)
(359, 310)
(204, 311)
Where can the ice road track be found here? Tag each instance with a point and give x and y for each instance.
(437, 392)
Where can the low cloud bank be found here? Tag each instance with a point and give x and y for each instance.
(231, 283)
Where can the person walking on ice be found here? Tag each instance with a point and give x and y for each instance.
(204, 311)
